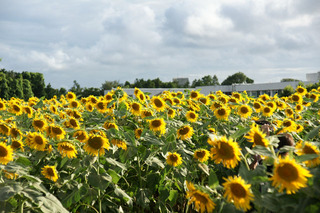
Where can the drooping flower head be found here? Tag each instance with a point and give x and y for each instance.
(67, 149)
(50, 173)
(174, 159)
(304, 148)
(185, 132)
(257, 137)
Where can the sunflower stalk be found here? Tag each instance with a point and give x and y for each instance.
(99, 192)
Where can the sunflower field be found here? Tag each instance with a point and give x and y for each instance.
(174, 152)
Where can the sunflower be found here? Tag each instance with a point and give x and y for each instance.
(67, 149)
(299, 128)
(201, 155)
(194, 95)
(4, 129)
(204, 100)
(73, 123)
(222, 113)
(10, 175)
(264, 97)
(171, 113)
(146, 113)
(257, 106)
(96, 144)
(244, 111)
(89, 107)
(289, 175)
(314, 96)
(304, 148)
(281, 105)
(296, 98)
(215, 105)
(119, 143)
(2, 105)
(185, 132)
(6, 153)
(28, 110)
(101, 106)
(50, 173)
(141, 97)
(174, 159)
(37, 141)
(16, 109)
(55, 131)
(267, 111)
(39, 124)
(108, 97)
(158, 103)
(158, 125)
(53, 109)
(192, 116)
(110, 125)
(17, 144)
(71, 96)
(212, 97)
(135, 108)
(138, 132)
(300, 90)
(81, 135)
(202, 201)
(288, 125)
(238, 192)
(289, 112)
(225, 151)
(298, 107)
(212, 130)
(257, 137)
(223, 99)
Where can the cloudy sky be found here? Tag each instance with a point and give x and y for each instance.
(97, 41)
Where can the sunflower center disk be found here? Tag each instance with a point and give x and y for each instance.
(39, 124)
(50, 172)
(156, 123)
(226, 151)
(67, 148)
(95, 143)
(3, 152)
(308, 150)
(184, 131)
(238, 190)
(173, 158)
(38, 140)
(201, 154)
(244, 110)
(288, 172)
(258, 139)
(135, 107)
(200, 198)
(221, 111)
(158, 103)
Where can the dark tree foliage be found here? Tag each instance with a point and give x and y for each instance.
(4, 87)
(27, 89)
(108, 85)
(287, 91)
(37, 83)
(288, 79)
(91, 91)
(50, 92)
(237, 78)
(76, 88)
(207, 80)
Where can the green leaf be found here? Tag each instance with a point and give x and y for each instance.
(260, 150)
(114, 175)
(306, 157)
(213, 181)
(119, 192)
(23, 161)
(173, 195)
(204, 168)
(312, 133)
(8, 191)
(63, 161)
(101, 181)
(116, 163)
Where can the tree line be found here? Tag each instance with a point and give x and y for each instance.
(32, 84)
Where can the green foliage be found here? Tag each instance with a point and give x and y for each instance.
(288, 79)
(237, 78)
(207, 80)
(287, 91)
(27, 89)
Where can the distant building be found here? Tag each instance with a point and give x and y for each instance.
(315, 77)
(181, 81)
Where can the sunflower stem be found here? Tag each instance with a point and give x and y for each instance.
(99, 193)
(245, 161)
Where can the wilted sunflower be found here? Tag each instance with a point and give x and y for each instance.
(192, 116)
(158, 103)
(50, 173)
(96, 144)
(37, 141)
(55, 131)
(257, 137)
(135, 108)
(39, 124)
(6, 153)
(174, 159)
(244, 111)
(158, 125)
(71, 96)
(4, 129)
(185, 132)
(238, 192)
(67, 149)
(201, 155)
(81, 135)
(17, 144)
(304, 148)
(289, 175)
(226, 152)
(138, 133)
(119, 143)
(202, 201)
(267, 111)
(222, 113)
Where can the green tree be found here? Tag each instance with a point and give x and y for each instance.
(92, 91)
(207, 80)
(237, 78)
(4, 87)
(37, 84)
(50, 92)
(288, 79)
(62, 91)
(27, 89)
(76, 88)
(287, 91)
(108, 85)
